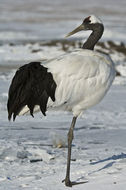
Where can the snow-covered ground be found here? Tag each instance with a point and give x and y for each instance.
(30, 157)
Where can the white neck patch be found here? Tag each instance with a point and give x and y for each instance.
(94, 20)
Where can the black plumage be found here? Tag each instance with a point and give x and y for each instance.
(75, 73)
(32, 85)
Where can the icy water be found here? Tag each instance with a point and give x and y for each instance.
(47, 19)
(29, 154)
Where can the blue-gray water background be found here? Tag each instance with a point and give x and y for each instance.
(47, 19)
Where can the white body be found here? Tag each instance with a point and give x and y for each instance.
(83, 77)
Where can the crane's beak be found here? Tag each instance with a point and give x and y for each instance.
(78, 29)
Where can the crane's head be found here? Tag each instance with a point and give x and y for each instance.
(89, 23)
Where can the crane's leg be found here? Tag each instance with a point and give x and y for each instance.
(70, 138)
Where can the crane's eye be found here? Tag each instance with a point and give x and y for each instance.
(87, 20)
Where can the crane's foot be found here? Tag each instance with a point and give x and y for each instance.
(67, 182)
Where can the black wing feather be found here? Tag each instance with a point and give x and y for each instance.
(32, 85)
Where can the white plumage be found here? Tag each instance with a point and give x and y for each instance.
(73, 82)
(83, 77)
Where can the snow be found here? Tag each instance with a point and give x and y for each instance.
(13, 56)
(30, 157)
(33, 151)
(26, 53)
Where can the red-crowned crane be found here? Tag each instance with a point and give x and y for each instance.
(73, 82)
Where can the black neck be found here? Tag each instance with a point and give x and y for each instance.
(94, 37)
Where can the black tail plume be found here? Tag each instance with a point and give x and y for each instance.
(32, 85)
